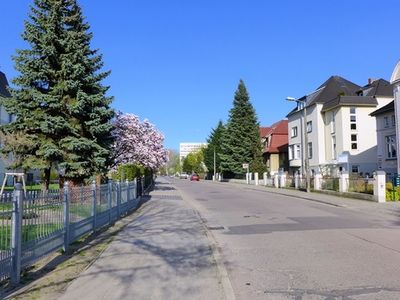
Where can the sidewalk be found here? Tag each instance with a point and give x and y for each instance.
(163, 254)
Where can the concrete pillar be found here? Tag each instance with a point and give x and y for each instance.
(265, 178)
(296, 181)
(380, 186)
(317, 181)
(276, 180)
(282, 180)
(344, 182)
(256, 178)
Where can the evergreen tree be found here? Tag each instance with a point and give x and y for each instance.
(241, 141)
(214, 145)
(59, 103)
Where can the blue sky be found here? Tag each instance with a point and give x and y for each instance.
(178, 63)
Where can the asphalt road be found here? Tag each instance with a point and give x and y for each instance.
(283, 247)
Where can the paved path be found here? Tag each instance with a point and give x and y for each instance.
(165, 253)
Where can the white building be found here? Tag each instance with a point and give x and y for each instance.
(186, 148)
(339, 127)
(395, 81)
(386, 139)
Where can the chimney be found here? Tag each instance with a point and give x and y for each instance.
(371, 80)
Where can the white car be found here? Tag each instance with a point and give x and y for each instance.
(183, 176)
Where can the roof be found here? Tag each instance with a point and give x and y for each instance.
(380, 87)
(385, 109)
(277, 137)
(263, 131)
(349, 101)
(328, 91)
(3, 85)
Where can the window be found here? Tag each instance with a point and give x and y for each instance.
(333, 123)
(309, 150)
(391, 146)
(294, 151)
(393, 120)
(386, 122)
(294, 131)
(354, 168)
(353, 138)
(333, 147)
(353, 118)
(291, 152)
(309, 126)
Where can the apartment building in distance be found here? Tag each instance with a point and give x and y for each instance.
(186, 148)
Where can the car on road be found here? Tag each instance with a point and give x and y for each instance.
(194, 177)
(183, 176)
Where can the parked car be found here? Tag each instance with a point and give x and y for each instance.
(183, 176)
(194, 177)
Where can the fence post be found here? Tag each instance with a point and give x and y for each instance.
(276, 180)
(143, 184)
(317, 181)
(380, 186)
(66, 215)
(256, 178)
(118, 186)
(16, 234)
(94, 203)
(344, 182)
(134, 188)
(296, 181)
(109, 198)
(282, 180)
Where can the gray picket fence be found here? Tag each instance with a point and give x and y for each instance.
(34, 225)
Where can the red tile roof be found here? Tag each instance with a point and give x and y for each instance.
(277, 134)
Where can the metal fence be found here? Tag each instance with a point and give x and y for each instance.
(330, 183)
(361, 185)
(33, 225)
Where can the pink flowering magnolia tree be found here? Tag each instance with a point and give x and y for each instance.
(137, 142)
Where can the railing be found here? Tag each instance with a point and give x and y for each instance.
(330, 183)
(360, 185)
(38, 224)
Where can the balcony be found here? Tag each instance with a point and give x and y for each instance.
(295, 163)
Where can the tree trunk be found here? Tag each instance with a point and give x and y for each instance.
(47, 172)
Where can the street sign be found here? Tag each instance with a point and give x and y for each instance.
(245, 166)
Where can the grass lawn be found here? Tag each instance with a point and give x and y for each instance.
(29, 232)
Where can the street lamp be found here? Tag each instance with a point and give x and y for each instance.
(306, 164)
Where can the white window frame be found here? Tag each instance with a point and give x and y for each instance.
(310, 154)
(386, 122)
(391, 146)
(309, 126)
(294, 132)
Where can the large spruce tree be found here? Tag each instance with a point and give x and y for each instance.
(214, 146)
(59, 101)
(241, 141)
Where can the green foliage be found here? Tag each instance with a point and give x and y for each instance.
(392, 193)
(193, 162)
(241, 141)
(61, 106)
(214, 142)
(129, 172)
